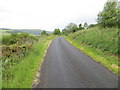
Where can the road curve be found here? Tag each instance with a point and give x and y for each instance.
(64, 66)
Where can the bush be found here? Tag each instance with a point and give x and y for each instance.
(16, 46)
(18, 38)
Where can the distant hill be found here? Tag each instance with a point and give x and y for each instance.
(30, 31)
(5, 29)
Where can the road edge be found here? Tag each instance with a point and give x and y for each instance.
(37, 75)
(94, 58)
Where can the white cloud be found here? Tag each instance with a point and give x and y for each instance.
(47, 14)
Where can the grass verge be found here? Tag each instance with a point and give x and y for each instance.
(108, 60)
(0, 74)
(22, 75)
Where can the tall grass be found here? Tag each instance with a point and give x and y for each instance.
(0, 61)
(105, 39)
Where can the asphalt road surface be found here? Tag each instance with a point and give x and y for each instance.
(64, 66)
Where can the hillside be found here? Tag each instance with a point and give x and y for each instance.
(104, 39)
(29, 31)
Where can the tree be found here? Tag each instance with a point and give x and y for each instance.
(72, 27)
(80, 27)
(109, 15)
(56, 32)
(65, 32)
(85, 25)
(43, 32)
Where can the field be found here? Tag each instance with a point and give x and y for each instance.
(29, 31)
(99, 43)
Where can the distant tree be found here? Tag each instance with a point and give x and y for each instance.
(92, 25)
(80, 27)
(56, 32)
(65, 32)
(85, 25)
(43, 32)
(109, 15)
(72, 27)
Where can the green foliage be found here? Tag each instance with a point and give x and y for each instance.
(13, 53)
(21, 75)
(104, 39)
(17, 38)
(109, 16)
(119, 14)
(44, 33)
(16, 46)
(71, 28)
(65, 32)
(56, 32)
(80, 27)
(92, 25)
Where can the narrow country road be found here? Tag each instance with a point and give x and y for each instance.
(66, 67)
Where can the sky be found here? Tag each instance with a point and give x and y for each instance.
(48, 14)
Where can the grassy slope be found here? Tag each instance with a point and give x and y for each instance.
(0, 74)
(0, 61)
(22, 74)
(100, 44)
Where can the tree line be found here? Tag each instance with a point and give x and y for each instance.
(108, 17)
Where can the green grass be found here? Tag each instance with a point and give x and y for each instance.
(100, 44)
(105, 39)
(0, 74)
(0, 61)
(22, 75)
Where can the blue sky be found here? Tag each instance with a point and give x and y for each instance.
(48, 14)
